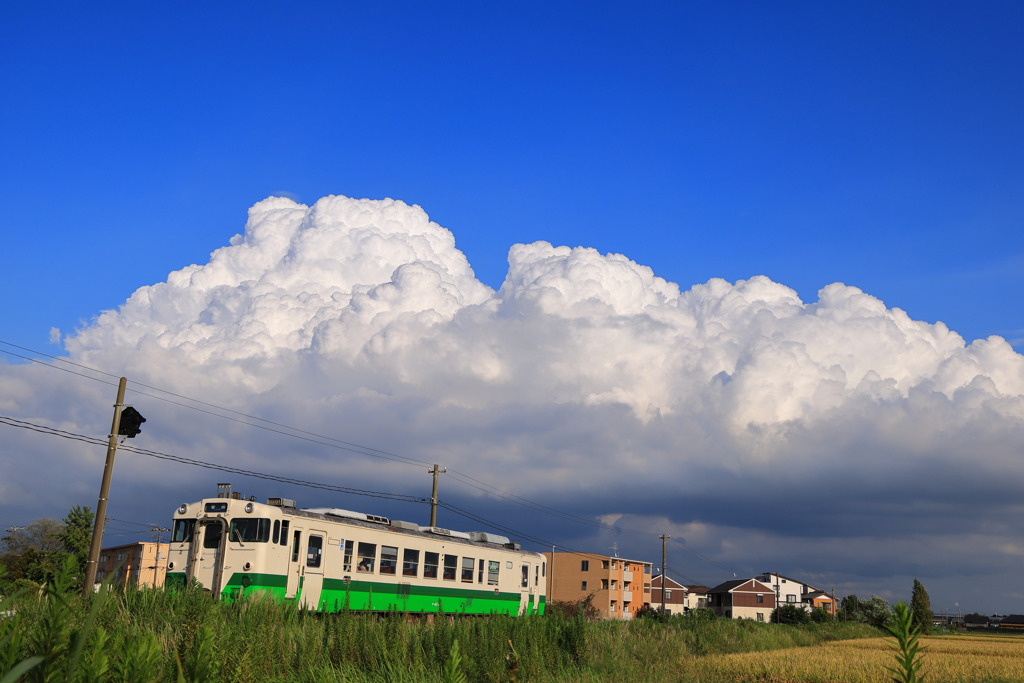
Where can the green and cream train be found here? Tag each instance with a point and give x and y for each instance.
(330, 559)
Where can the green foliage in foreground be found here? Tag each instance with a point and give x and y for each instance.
(908, 651)
(151, 636)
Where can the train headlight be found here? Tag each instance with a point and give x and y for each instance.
(247, 566)
(249, 507)
(182, 509)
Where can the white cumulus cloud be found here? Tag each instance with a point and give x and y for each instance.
(585, 375)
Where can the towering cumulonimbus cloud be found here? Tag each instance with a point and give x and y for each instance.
(746, 417)
(374, 292)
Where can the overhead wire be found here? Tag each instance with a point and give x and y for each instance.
(457, 475)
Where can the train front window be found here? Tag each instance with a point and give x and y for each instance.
(388, 559)
(250, 530)
(211, 537)
(451, 565)
(314, 551)
(430, 565)
(411, 563)
(183, 530)
(367, 556)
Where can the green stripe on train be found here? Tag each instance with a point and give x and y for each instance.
(336, 595)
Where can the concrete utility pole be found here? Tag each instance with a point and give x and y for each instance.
(159, 530)
(437, 469)
(664, 569)
(101, 504)
(778, 607)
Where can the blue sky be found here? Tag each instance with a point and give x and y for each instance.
(878, 145)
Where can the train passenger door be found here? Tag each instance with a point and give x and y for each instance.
(209, 554)
(294, 582)
(525, 589)
(314, 570)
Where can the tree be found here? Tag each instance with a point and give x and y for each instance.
(790, 614)
(921, 606)
(77, 534)
(42, 534)
(876, 611)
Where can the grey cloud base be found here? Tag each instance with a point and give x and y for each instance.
(585, 380)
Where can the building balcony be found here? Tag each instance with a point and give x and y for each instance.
(627, 576)
(627, 596)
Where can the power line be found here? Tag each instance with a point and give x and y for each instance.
(703, 557)
(42, 429)
(461, 477)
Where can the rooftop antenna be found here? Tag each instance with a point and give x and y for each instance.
(615, 548)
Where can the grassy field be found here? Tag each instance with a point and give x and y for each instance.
(153, 635)
(961, 658)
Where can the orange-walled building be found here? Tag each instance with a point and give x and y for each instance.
(140, 564)
(620, 586)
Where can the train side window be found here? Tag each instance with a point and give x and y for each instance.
(544, 569)
(277, 532)
(451, 566)
(347, 564)
(388, 559)
(480, 573)
(183, 530)
(211, 539)
(314, 551)
(411, 563)
(284, 532)
(492, 572)
(296, 542)
(367, 557)
(430, 565)
(467, 569)
(526, 576)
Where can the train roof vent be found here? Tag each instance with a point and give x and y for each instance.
(445, 532)
(281, 502)
(348, 514)
(484, 537)
(399, 524)
(514, 545)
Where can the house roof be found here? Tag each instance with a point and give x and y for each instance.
(818, 594)
(697, 589)
(729, 586)
(670, 583)
(1013, 619)
(788, 578)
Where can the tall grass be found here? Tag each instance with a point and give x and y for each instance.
(152, 636)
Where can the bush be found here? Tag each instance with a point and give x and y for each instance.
(790, 614)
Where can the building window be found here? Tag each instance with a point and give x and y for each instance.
(583, 586)
(604, 564)
(760, 616)
(584, 565)
(791, 598)
(647, 569)
(760, 599)
(613, 606)
(668, 594)
(604, 584)
(827, 606)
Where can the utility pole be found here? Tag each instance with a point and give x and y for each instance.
(664, 569)
(159, 531)
(101, 504)
(551, 575)
(437, 469)
(778, 613)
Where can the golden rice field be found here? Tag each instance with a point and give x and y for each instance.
(966, 659)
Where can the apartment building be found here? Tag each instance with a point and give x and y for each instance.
(620, 586)
(139, 564)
